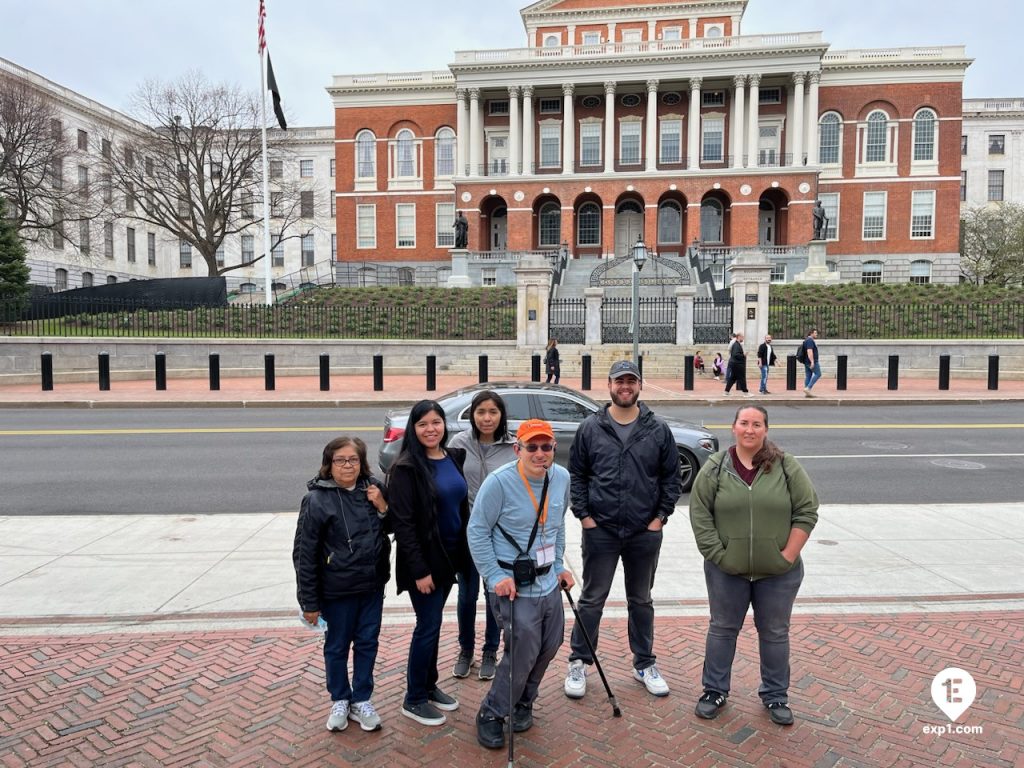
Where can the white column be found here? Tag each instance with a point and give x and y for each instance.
(461, 132)
(798, 117)
(651, 31)
(568, 128)
(515, 146)
(651, 137)
(812, 119)
(571, 29)
(737, 128)
(609, 127)
(476, 134)
(692, 28)
(752, 125)
(528, 159)
(611, 32)
(693, 127)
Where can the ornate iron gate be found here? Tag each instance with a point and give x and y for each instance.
(567, 320)
(657, 320)
(712, 320)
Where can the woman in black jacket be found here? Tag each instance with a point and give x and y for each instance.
(342, 560)
(552, 361)
(429, 510)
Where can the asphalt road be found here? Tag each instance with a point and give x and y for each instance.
(182, 461)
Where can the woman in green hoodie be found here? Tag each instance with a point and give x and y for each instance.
(752, 509)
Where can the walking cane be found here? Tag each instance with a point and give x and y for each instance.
(593, 653)
(511, 679)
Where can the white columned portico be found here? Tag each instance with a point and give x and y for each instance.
(568, 128)
(461, 132)
(812, 119)
(527, 129)
(737, 129)
(609, 127)
(651, 139)
(693, 126)
(515, 146)
(753, 132)
(798, 117)
(476, 134)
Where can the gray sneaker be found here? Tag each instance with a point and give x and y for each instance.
(442, 700)
(338, 719)
(424, 714)
(364, 714)
(576, 680)
(488, 665)
(462, 665)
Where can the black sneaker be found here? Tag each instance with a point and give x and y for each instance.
(709, 705)
(488, 665)
(463, 664)
(780, 713)
(424, 714)
(442, 700)
(490, 731)
(522, 717)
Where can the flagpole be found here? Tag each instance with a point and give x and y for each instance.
(266, 184)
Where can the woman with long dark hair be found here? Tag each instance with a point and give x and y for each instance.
(429, 507)
(552, 361)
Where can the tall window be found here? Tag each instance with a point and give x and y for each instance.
(83, 181)
(130, 244)
(712, 134)
(334, 246)
(60, 279)
(711, 215)
(87, 278)
(248, 249)
(444, 215)
(83, 140)
(924, 135)
(996, 143)
(995, 185)
(184, 254)
(550, 225)
(629, 142)
(308, 251)
(550, 146)
(670, 141)
(921, 272)
(590, 143)
(219, 255)
(828, 138)
(277, 251)
(588, 224)
(963, 186)
(151, 249)
(366, 226)
(874, 216)
(963, 144)
(83, 237)
(366, 155)
(108, 239)
(276, 169)
(405, 154)
(670, 222)
(306, 169)
(444, 153)
(871, 272)
(306, 207)
(57, 229)
(922, 214)
(405, 225)
(877, 137)
(830, 202)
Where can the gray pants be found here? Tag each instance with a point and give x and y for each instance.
(539, 626)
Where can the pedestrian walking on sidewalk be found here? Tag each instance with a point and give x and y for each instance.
(752, 508)
(552, 363)
(517, 539)
(811, 361)
(342, 559)
(766, 358)
(429, 510)
(736, 370)
(488, 446)
(624, 466)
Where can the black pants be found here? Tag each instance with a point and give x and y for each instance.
(736, 374)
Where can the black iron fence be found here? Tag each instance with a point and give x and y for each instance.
(567, 320)
(712, 320)
(657, 320)
(108, 317)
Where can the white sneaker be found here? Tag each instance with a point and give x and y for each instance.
(364, 714)
(338, 720)
(652, 680)
(576, 680)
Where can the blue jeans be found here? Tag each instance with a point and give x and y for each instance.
(772, 599)
(764, 378)
(352, 622)
(602, 551)
(469, 591)
(421, 669)
(811, 374)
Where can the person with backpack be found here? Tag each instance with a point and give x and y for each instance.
(808, 355)
(752, 510)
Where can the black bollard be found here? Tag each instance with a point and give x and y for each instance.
(993, 372)
(325, 373)
(585, 373)
(482, 368)
(268, 372)
(790, 373)
(943, 372)
(688, 373)
(640, 365)
(104, 372)
(535, 368)
(161, 371)
(378, 373)
(841, 372)
(214, 372)
(431, 373)
(894, 372)
(46, 368)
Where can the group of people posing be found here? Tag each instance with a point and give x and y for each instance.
(734, 370)
(489, 505)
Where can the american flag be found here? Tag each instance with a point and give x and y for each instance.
(263, 36)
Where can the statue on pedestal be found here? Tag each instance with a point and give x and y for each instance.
(820, 221)
(461, 226)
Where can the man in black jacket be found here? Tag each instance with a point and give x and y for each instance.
(624, 468)
(765, 359)
(736, 368)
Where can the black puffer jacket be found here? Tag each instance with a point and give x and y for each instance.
(341, 546)
(624, 487)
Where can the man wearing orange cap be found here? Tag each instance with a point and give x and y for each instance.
(517, 539)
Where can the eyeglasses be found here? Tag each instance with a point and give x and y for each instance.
(346, 461)
(534, 447)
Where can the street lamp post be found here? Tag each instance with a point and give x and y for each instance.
(639, 259)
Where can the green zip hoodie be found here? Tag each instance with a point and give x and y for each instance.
(742, 529)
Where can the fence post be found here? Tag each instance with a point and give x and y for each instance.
(993, 372)
(841, 361)
(325, 373)
(585, 373)
(688, 373)
(104, 371)
(268, 372)
(46, 368)
(482, 368)
(431, 373)
(378, 373)
(943, 372)
(535, 368)
(214, 372)
(894, 372)
(161, 371)
(790, 373)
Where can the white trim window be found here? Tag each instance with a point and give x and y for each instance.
(712, 139)
(549, 229)
(926, 134)
(920, 272)
(184, 254)
(444, 215)
(922, 214)
(996, 185)
(404, 160)
(873, 227)
(497, 107)
(550, 144)
(588, 224)
(550, 106)
(248, 249)
(444, 153)
(778, 274)
(366, 156)
(405, 225)
(629, 142)
(277, 251)
(830, 139)
(871, 273)
(671, 34)
(306, 169)
(830, 202)
(334, 246)
(308, 250)
(590, 142)
(366, 226)
(670, 141)
(712, 216)
(876, 138)
(878, 147)
(591, 38)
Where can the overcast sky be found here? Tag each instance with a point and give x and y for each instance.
(105, 48)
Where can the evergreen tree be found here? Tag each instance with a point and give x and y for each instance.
(13, 269)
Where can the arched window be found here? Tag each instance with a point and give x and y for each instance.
(405, 158)
(921, 272)
(406, 276)
(60, 279)
(828, 138)
(111, 279)
(552, 41)
(550, 230)
(444, 153)
(877, 139)
(670, 222)
(711, 215)
(366, 155)
(871, 272)
(924, 135)
(87, 279)
(588, 224)
(367, 276)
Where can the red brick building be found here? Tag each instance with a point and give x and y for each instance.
(664, 120)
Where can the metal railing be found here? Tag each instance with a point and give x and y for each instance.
(712, 320)
(567, 320)
(657, 320)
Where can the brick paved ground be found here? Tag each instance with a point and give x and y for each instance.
(255, 698)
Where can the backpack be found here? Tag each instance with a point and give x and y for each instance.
(801, 353)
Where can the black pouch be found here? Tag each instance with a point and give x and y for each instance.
(524, 570)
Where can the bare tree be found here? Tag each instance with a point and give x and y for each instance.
(197, 173)
(992, 244)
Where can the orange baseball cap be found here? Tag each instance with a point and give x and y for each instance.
(532, 428)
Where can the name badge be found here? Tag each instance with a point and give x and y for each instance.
(546, 555)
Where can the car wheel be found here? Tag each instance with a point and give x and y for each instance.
(688, 469)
